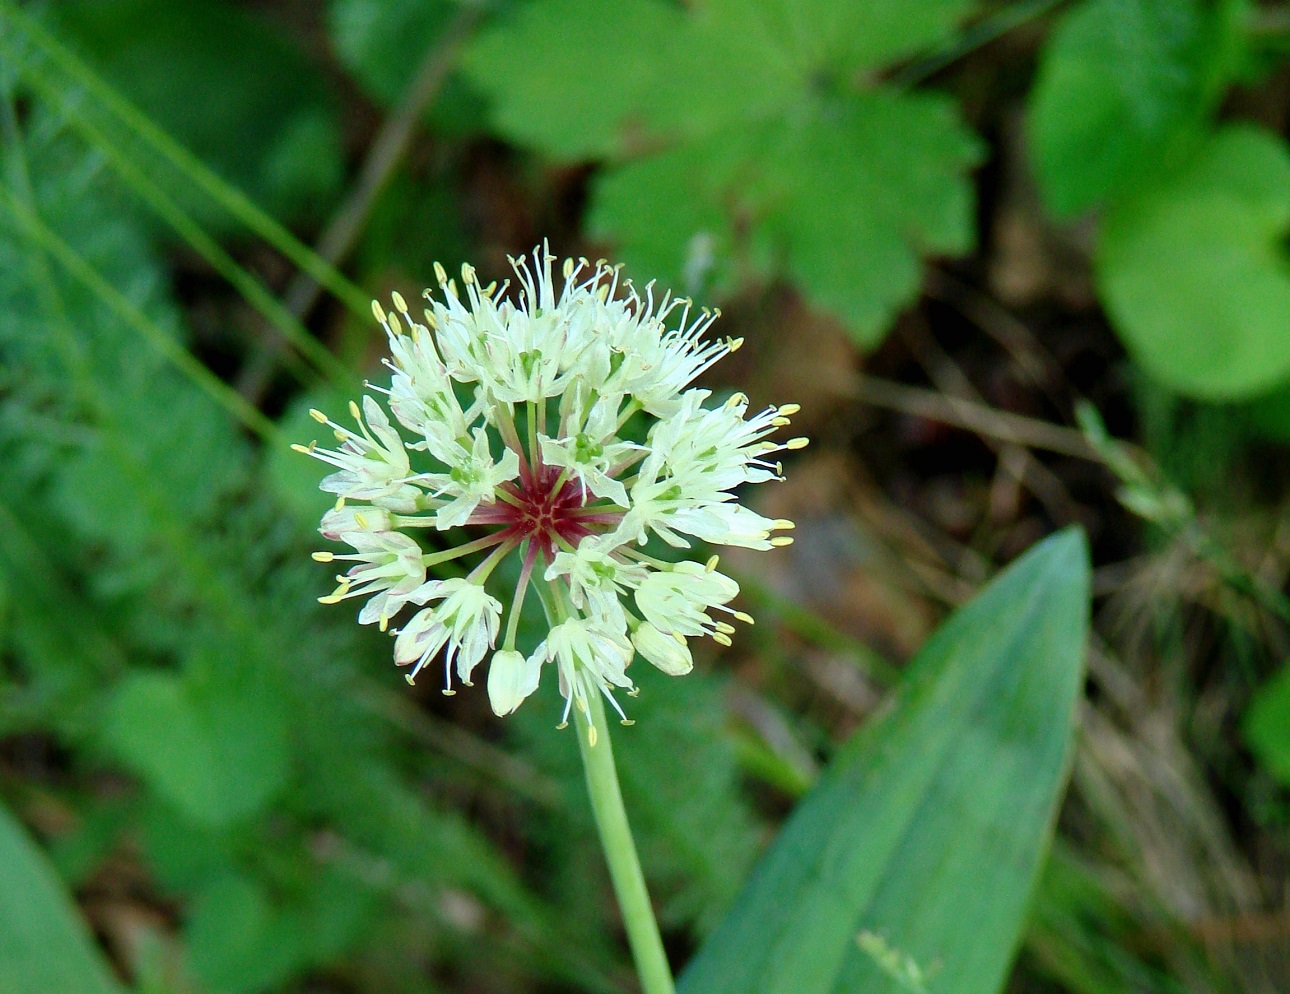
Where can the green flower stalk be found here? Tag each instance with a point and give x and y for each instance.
(508, 431)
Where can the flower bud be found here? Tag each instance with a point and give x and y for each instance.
(668, 652)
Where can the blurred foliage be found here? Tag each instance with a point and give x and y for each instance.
(232, 780)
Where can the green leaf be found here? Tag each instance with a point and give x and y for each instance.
(778, 153)
(226, 935)
(215, 751)
(856, 194)
(861, 34)
(382, 41)
(1267, 725)
(45, 947)
(691, 245)
(1122, 85)
(572, 76)
(930, 826)
(1196, 276)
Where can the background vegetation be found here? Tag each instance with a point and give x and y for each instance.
(953, 231)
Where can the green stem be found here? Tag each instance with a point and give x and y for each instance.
(620, 850)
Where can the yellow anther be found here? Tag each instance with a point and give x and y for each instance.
(411, 681)
(360, 520)
(330, 599)
(745, 617)
(340, 503)
(800, 442)
(628, 722)
(580, 704)
(467, 273)
(307, 450)
(562, 726)
(734, 344)
(353, 411)
(440, 274)
(318, 415)
(724, 628)
(341, 435)
(568, 268)
(592, 737)
(378, 311)
(788, 410)
(399, 302)
(782, 524)
(634, 692)
(781, 540)
(711, 564)
(721, 638)
(449, 692)
(323, 557)
(384, 623)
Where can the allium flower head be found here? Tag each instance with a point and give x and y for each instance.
(508, 439)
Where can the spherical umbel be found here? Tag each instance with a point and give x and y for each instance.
(533, 463)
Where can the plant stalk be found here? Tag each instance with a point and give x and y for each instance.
(620, 850)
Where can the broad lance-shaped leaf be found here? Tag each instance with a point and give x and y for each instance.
(1195, 273)
(45, 948)
(923, 840)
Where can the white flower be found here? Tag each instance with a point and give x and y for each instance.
(511, 678)
(590, 452)
(372, 465)
(669, 653)
(677, 601)
(597, 575)
(391, 567)
(473, 478)
(517, 401)
(466, 622)
(590, 656)
(349, 519)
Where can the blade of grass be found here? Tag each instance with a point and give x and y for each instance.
(221, 192)
(191, 232)
(181, 358)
